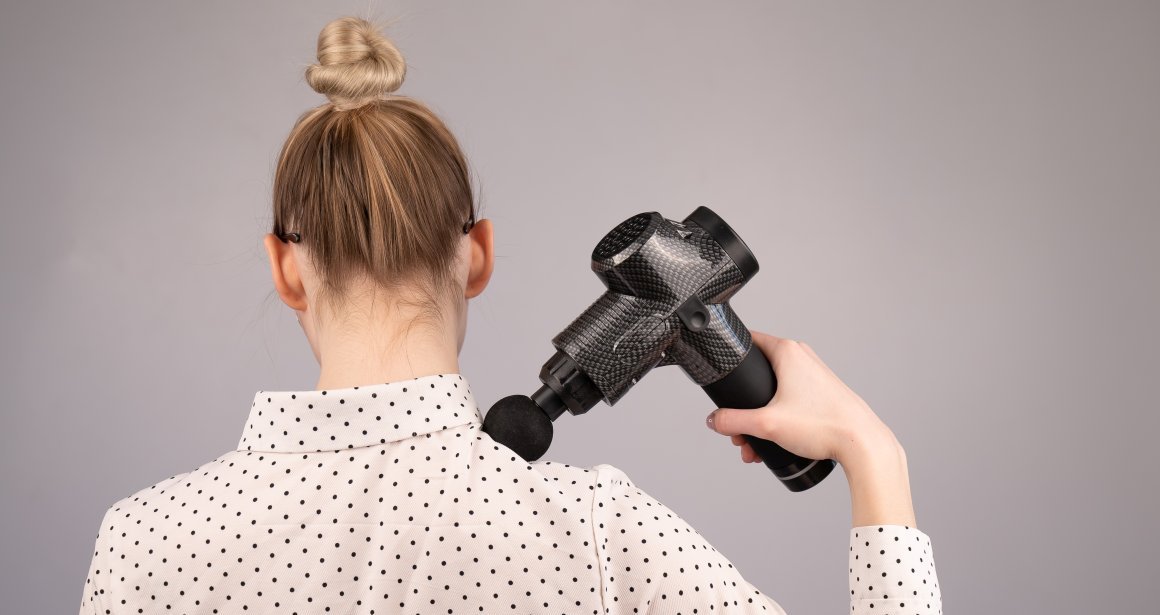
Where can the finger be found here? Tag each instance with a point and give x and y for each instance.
(748, 455)
(766, 342)
(764, 337)
(776, 349)
(733, 421)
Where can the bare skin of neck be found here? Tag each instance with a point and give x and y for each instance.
(384, 342)
(383, 335)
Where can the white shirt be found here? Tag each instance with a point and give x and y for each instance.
(389, 498)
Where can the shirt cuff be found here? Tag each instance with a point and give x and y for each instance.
(892, 570)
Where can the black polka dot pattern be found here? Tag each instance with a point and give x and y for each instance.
(652, 561)
(892, 571)
(388, 498)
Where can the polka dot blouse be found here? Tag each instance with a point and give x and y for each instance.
(389, 499)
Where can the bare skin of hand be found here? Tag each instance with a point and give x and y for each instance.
(814, 414)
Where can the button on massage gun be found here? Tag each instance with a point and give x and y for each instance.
(667, 303)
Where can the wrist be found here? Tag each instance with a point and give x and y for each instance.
(876, 470)
(866, 445)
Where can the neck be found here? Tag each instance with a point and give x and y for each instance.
(373, 350)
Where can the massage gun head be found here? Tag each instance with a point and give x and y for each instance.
(668, 284)
(651, 257)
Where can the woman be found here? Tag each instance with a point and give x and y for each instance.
(377, 492)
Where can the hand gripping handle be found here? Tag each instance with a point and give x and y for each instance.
(751, 385)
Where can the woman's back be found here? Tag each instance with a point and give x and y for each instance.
(387, 496)
(389, 499)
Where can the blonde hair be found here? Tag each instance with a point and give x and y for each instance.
(374, 183)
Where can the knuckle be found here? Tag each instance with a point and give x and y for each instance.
(726, 422)
(788, 348)
(762, 341)
(767, 425)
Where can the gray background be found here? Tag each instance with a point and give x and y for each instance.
(955, 204)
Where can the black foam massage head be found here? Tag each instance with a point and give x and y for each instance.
(518, 423)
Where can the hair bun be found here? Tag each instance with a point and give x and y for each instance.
(356, 63)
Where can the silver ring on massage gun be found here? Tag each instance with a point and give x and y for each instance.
(752, 382)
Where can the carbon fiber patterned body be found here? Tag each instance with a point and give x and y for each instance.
(669, 284)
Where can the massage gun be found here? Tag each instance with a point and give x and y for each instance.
(667, 303)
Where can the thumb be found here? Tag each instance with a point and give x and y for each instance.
(733, 421)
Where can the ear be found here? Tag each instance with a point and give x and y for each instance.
(482, 258)
(284, 270)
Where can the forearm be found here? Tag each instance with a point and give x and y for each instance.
(875, 467)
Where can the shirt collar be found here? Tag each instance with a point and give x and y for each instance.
(336, 419)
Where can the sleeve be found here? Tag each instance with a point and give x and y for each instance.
(94, 581)
(892, 571)
(653, 562)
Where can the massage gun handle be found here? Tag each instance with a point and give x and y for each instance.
(751, 385)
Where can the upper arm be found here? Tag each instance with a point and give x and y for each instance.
(653, 561)
(98, 569)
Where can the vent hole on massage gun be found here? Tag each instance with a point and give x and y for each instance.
(621, 237)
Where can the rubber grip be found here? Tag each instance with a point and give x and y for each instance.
(751, 385)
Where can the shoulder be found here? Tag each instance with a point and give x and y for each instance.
(155, 506)
(601, 485)
(652, 560)
(597, 476)
(145, 502)
(126, 524)
(143, 496)
(612, 493)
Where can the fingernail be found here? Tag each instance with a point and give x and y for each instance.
(709, 421)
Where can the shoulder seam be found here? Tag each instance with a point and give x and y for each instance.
(600, 471)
